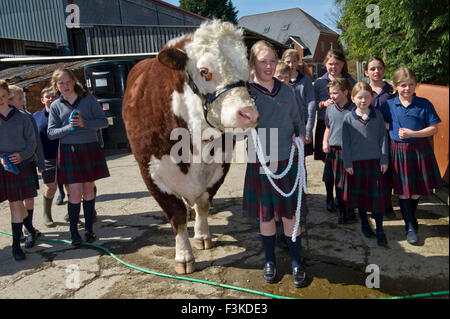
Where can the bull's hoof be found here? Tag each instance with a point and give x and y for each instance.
(203, 243)
(185, 268)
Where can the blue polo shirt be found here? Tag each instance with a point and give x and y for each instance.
(417, 116)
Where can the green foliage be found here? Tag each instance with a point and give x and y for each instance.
(221, 9)
(412, 33)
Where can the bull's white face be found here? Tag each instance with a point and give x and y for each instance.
(217, 57)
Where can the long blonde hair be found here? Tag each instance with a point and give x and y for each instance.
(79, 89)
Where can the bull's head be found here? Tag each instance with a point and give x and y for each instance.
(217, 71)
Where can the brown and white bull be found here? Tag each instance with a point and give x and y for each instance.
(196, 82)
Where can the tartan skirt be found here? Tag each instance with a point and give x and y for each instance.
(334, 170)
(414, 168)
(318, 139)
(263, 201)
(80, 163)
(19, 187)
(365, 189)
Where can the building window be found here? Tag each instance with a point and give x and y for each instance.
(331, 45)
(284, 27)
(322, 45)
(266, 29)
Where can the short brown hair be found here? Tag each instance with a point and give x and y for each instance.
(4, 86)
(282, 68)
(45, 90)
(362, 86)
(341, 83)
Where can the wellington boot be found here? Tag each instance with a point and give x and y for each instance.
(47, 212)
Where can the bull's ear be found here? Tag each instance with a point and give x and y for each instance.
(173, 58)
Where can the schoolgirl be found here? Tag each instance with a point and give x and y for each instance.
(18, 145)
(278, 109)
(50, 148)
(336, 65)
(334, 172)
(365, 155)
(80, 159)
(304, 92)
(17, 99)
(412, 120)
(382, 91)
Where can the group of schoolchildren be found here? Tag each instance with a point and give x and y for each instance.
(61, 141)
(372, 137)
(362, 162)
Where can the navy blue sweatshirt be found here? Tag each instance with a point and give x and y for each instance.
(50, 146)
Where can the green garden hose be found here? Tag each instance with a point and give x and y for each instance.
(431, 294)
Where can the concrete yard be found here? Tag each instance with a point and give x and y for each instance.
(132, 226)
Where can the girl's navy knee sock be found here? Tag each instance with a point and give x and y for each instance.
(88, 210)
(363, 217)
(74, 216)
(28, 222)
(269, 248)
(17, 233)
(378, 221)
(329, 190)
(406, 207)
(295, 250)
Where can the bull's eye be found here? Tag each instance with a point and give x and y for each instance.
(204, 72)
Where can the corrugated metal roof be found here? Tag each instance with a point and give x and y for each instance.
(33, 20)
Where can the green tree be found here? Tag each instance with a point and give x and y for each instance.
(221, 9)
(412, 33)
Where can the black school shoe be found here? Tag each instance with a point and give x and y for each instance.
(269, 272)
(31, 239)
(381, 239)
(299, 277)
(90, 237)
(331, 207)
(76, 240)
(18, 254)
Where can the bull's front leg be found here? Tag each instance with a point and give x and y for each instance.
(202, 237)
(184, 259)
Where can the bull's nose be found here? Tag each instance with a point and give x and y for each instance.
(248, 116)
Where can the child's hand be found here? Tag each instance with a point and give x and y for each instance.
(325, 147)
(327, 103)
(349, 171)
(15, 158)
(384, 169)
(301, 137)
(405, 133)
(308, 140)
(77, 120)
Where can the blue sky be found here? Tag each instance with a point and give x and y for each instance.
(319, 9)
